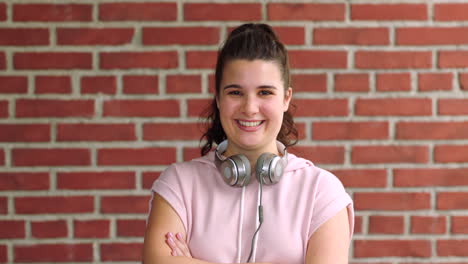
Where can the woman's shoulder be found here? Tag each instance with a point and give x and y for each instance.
(308, 171)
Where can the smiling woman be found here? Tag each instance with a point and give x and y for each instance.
(249, 200)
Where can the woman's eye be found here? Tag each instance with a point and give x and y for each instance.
(265, 92)
(234, 92)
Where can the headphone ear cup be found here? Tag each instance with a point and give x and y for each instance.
(236, 171)
(269, 168)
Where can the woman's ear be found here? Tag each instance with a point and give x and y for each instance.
(287, 98)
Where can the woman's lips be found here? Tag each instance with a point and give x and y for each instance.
(249, 126)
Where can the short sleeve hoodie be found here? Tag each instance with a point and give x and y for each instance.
(293, 209)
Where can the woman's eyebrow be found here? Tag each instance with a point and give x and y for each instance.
(267, 87)
(232, 86)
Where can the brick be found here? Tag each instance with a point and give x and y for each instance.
(2, 157)
(12, 229)
(38, 108)
(138, 60)
(450, 11)
(452, 59)
(422, 36)
(349, 130)
(201, 59)
(328, 59)
(108, 180)
(222, 11)
(51, 157)
(389, 154)
(358, 225)
(392, 248)
(191, 153)
(196, 107)
(131, 228)
(452, 200)
(121, 251)
(54, 205)
(306, 12)
(141, 108)
(459, 225)
(148, 177)
(452, 106)
(140, 84)
(183, 84)
(428, 224)
(124, 204)
(290, 35)
(3, 248)
(438, 130)
(24, 132)
(52, 60)
(94, 36)
(435, 82)
(96, 132)
(128, 11)
(13, 84)
(141, 156)
(386, 107)
(52, 12)
(393, 59)
(352, 82)
(53, 85)
(452, 247)
(351, 36)
(49, 229)
(320, 154)
(389, 12)
(3, 109)
(451, 153)
(309, 82)
(3, 205)
(24, 181)
(321, 107)
(381, 224)
(91, 228)
(392, 201)
(362, 178)
(24, 36)
(96, 180)
(2, 61)
(463, 81)
(54, 253)
(3, 17)
(393, 82)
(172, 131)
(430, 177)
(180, 36)
(98, 84)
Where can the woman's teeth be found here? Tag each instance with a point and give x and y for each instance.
(250, 124)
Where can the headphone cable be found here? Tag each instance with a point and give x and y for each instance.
(260, 219)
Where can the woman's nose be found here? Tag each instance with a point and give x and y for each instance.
(249, 105)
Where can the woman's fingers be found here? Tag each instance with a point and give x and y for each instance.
(178, 245)
(182, 245)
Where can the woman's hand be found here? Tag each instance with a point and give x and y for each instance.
(178, 245)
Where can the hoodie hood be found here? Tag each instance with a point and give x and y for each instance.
(294, 162)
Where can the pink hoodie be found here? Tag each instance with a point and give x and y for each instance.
(293, 209)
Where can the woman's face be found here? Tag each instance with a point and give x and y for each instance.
(251, 102)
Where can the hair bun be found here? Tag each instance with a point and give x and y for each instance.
(254, 28)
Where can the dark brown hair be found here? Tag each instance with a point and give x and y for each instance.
(249, 42)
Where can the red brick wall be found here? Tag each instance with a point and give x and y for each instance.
(97, 98)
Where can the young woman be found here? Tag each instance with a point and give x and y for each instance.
(249, 200)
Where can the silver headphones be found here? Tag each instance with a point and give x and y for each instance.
(235, 169)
